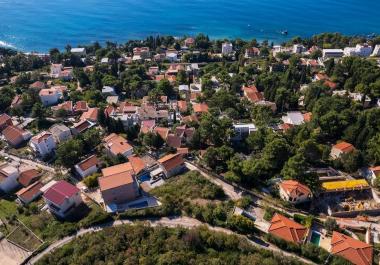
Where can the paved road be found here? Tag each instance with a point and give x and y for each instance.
(185, 222)
(28, 162)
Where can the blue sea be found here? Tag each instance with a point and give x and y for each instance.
(38, 25)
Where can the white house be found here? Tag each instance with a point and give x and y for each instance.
(79, 51)
(376, 50)
(43, 143)
(364, 50)
(332, 53)
(8, 178)
(183, 88)
(243, 130)
(341, 148)
(299, 48)
(373, 174)
(108, 91)
(117, 145)
(60, 132)
(88, 166)
(56, 70)
(61, 198)
(293, 118)
(50, 96)
(294, 192)
(227, 48)
(357, 97)
(172, 57)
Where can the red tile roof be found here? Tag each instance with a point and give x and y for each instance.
(116, 176)
(88, 163)
(117, 144)
(171, 161)
(330, 84)
(344, 147)
(162, 131)
(200, 107)
(254, 96)
(294, 188)
(81, 106)
(67, 105)
(190, 118)
(28, 193)
(13, 134)
(307, 116)
(182, 105)
(5, 119)
(287, 229)
(355, 251)
(250, 89)
(91, 114)
(38, 85)
(28, 176)
(60, 191)
(173, 141)
(137, 164)
(147, 126)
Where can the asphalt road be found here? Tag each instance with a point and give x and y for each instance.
(185, 222)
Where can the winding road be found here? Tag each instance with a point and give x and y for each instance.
(185, 222)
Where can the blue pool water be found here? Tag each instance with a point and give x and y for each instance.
(315, 238)
(42, 24)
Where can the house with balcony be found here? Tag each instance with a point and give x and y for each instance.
(43, 144)
(62, 198)
(117, 145)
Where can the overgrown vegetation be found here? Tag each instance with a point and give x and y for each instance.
(131, 245)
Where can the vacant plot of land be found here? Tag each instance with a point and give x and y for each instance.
(23, 237)
(10, 254)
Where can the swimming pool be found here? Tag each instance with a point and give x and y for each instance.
(315, 238)
(144, 178)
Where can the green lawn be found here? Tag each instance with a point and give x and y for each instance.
(45, 225)
(24, 238)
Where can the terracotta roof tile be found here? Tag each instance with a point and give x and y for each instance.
(287, 229)
(171, 161)
(28, 176)
(355, 251)
(88, 163)
(31, 191)
(295, 188)
(60, 191)
(344, 147)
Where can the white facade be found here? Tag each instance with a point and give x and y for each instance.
(298, 48)
(87, 167)
(62, 210)
(376, 50)
(8, 178)
(78, 51)
(293, 117)
(56, 70)
(243, 130)
(227, 48)
(172, 57)
(49, 96)
(43, 144)
(108, 90)
(332, 53)
(293, 198)
(87, 172)
(61, 133)
(360, 50)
